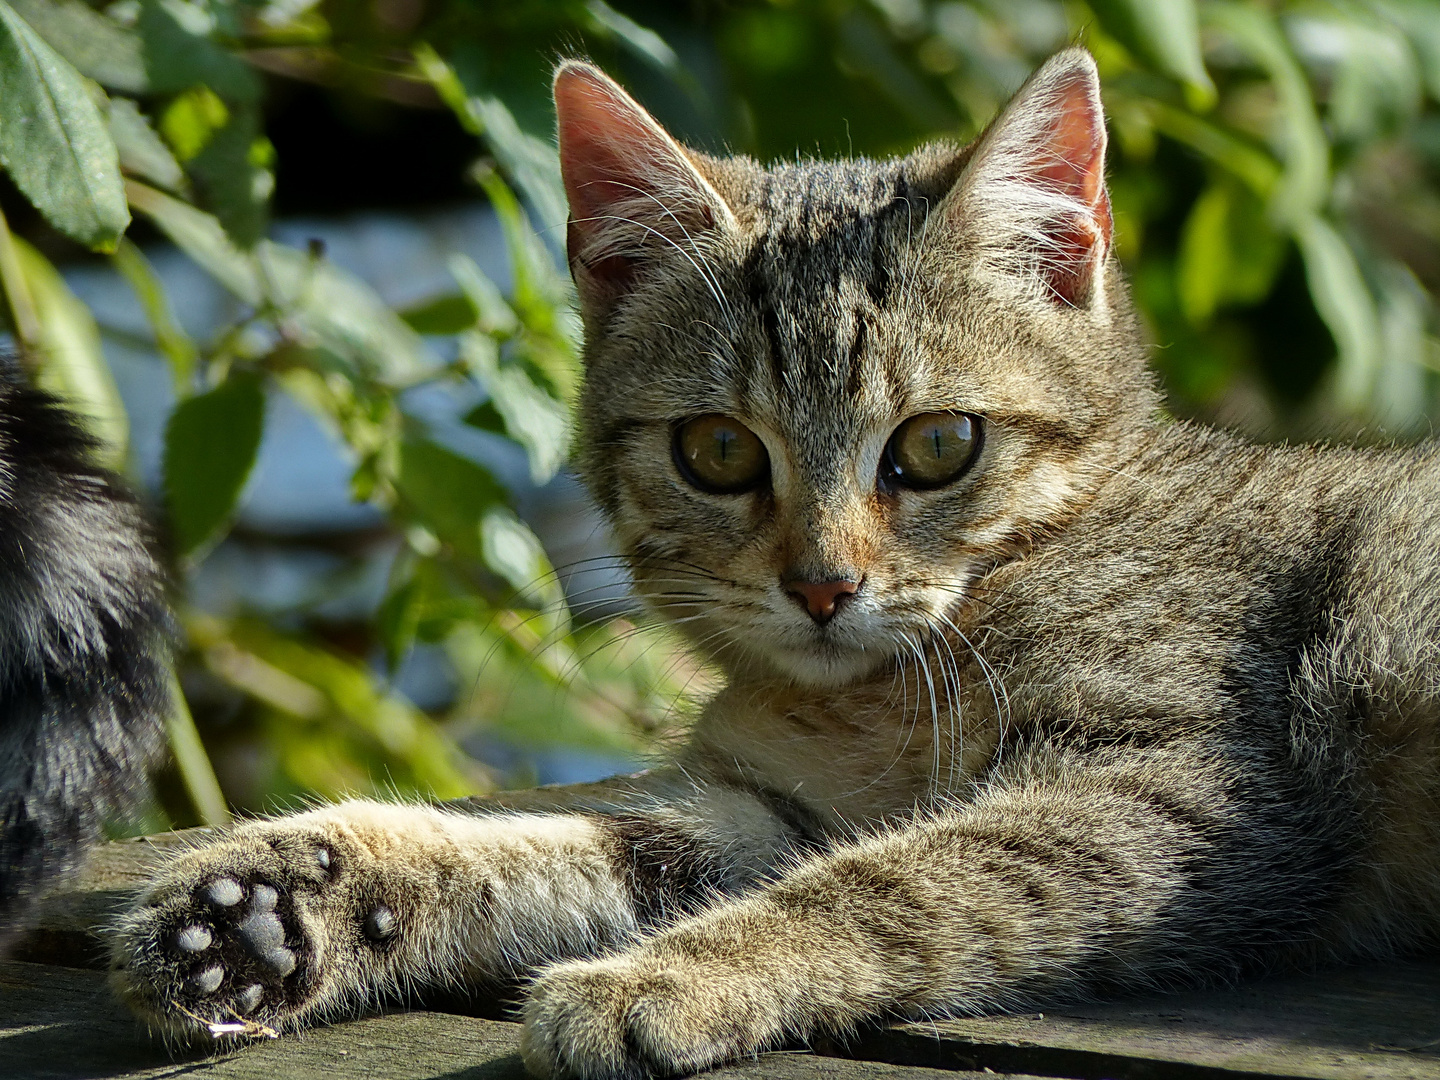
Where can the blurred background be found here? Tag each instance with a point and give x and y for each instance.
(299, 264)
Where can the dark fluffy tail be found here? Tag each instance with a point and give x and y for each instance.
(84, 648)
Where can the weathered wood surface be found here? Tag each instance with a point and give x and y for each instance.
(1380, 1022)
(61, 1024)
(71, 928)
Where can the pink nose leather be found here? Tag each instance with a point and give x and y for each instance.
(822, 598)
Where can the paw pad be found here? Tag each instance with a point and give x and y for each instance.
(234, 946)
(259, 927)
(249, 998)
(224, 892)
(380, 924)
(192, 939)
(206, 981)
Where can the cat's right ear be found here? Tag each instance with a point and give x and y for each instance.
(633, 190)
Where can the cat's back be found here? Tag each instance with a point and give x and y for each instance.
(1210, 572)
(1284, 601)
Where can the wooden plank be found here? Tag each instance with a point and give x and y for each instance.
(70, 931)
(62, 1024)
(1380, 1022)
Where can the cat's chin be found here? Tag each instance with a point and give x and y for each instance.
(824, 666)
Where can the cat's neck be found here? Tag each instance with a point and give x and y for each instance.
(865, 751)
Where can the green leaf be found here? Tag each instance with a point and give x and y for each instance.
(337, 311)
(448, 493)
(1163, 34)
(485, 417)
(142, 152)
(866, 49)
(98, 46)
(1305, 183)
(1257, 249)
(533, 418)
(53, 140)
(72, 364)
(492, 314)
(200, 236)
(179, 56)
(1400, 393)
(532, 163)
(210, 447)
(516, 554)
(1228, 253)
(639, 40)
(1419, 20)
(316, 687)
(172, 341)
(398, 620)
(1344, 302)
(191, 120)
(1248, 163)
(442, 315)
(231, 179)
(1204, 256)
(541, 296)
(1376, 84)
(325, 307)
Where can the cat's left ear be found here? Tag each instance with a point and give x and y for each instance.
(634, 191)
(1032, 198)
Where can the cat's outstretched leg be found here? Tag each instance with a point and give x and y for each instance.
(1055, 883)
(284, 921)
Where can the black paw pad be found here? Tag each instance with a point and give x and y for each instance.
(236, 947)
(192, 939)
(263, 897)
(260, 933)
(205, 982)
(380, 924)
(224, 892)
(249, 998)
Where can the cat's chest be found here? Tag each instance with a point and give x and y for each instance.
(869, 754)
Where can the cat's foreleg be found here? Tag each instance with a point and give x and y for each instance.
(1025, 894)
(286, 920)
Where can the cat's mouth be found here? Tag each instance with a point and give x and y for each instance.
(843, 650)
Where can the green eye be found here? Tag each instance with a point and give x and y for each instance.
(933, 449)
(715, 453)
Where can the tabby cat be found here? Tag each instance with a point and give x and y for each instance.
(1031, 692)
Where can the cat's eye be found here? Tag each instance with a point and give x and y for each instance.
(932, 449)
(716, 453)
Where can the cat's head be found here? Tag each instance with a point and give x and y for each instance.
(823, 399)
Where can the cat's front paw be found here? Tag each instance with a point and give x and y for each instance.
(636, 1015)
(254, 932)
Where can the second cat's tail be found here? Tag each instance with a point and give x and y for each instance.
(84, 648)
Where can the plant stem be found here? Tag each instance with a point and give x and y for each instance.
(196, 772)
(17, 290)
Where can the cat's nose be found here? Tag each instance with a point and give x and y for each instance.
(822, 598)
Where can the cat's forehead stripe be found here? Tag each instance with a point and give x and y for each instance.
(817, 270)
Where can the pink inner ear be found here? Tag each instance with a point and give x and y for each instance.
(628, 184)
(1073, 165)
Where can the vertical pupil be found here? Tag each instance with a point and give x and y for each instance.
(724, 438)
(935, 438)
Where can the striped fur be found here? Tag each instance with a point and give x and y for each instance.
(1130, 703)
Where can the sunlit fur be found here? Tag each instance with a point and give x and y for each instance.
(1131, 704)
(842, 305)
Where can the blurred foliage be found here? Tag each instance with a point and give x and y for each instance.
(1275, 176)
